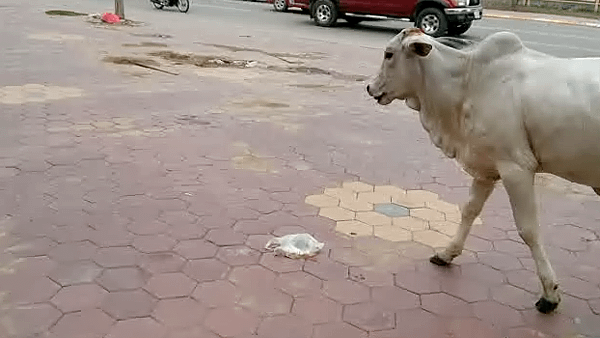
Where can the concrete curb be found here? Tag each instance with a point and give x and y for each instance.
(540, 18)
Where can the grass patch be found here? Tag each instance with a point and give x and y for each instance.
(59, 12)
(543, 7)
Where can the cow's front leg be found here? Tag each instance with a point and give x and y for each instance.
(479, 193)
(519, 185)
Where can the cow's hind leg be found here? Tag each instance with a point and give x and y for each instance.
(519, 185)
(480, 191)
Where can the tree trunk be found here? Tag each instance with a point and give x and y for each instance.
(120, 8)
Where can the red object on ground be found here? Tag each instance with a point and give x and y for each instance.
(110, 18)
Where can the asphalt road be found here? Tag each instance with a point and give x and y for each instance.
(555, 39)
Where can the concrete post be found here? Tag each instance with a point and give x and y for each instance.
(120, 8)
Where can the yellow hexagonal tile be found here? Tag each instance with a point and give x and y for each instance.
(374, 197)
(453, 216)
(422, 195)
(428, 214)
(443, 206)
(355, 205)
(456, 218)
(322, 201)
(393, 233)
(410, 223)
(407, 202)
(390, 190)
(431, 238)
(358, 186)
(337, 214)
(373, 218)
(340, 193)
(431, 222)
(445, 227)
(354, 228)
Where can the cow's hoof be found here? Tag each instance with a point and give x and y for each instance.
(435, 259)
(545, 306)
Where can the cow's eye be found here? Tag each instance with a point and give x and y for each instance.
(388, 55)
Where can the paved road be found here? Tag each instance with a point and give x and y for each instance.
(559, 40)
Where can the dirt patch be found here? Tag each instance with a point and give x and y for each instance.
(281, 56)
(213, 62)
(315, 86)
(146, 44)
(318, 71)
(314, 55)
(262, 104)
(139, 62)
(308, 85)
(64, 13)
(204, 61)
(128, 60)
(155, 35)
(191, 120)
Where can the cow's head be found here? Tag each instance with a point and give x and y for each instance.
(400, 69)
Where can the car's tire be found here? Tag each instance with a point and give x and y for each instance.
(456, 30)
(353, 21)
(325, 13)
(280, 5)
(432, 21)
(183, 5)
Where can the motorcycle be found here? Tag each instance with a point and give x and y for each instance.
(182, 5)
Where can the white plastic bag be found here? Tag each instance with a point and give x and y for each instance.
(295, 245)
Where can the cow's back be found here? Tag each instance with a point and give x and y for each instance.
(495, 47)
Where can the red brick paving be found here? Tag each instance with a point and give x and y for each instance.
(161, 236)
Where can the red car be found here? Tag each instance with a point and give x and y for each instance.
(283, 5)
(434, 17)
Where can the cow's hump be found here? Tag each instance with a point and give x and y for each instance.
(497, 46)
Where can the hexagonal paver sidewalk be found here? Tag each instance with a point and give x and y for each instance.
(390, 213)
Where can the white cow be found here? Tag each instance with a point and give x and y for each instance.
(504, 112)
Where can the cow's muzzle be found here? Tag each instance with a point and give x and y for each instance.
(375, 96)
(369, 89)
(378, 97)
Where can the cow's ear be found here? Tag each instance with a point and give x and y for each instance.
(420, 48)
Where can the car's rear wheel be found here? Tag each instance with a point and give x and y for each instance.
(459, 29)
(432, 21)
(280, 5)
(325, 13)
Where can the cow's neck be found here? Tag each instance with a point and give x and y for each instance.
(442, 97)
